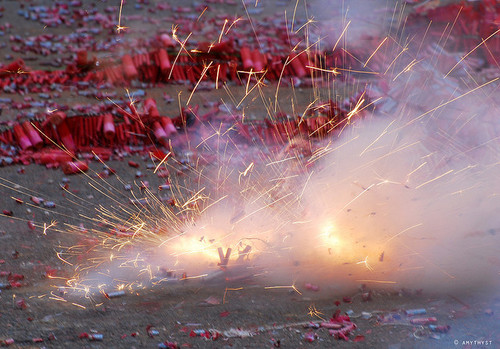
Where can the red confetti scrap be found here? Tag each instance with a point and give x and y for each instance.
(359, 338)
(21, 304)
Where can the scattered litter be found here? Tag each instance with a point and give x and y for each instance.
(310, 336)
(115, 294)
(411, 312)
(210, 301)
(423, 321)
(440, 329)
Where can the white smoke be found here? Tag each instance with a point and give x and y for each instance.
(407, 197)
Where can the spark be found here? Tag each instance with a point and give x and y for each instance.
(283, 287)
(201, 14)
(205, 68)
(395, 59)
(407, 68)
(434, 179)
(79, 305)
(492, 55)
(217, 77)
(287, 62)
(358, 71)
(251, 23)
(305, 186)
(123, 111)
(365, 262)
(18, 71)
(415, 170)
(57, 298)
(264, 207)
(119, 27)
(216, 202)
(245, 173)
(195, 198)
(450, 101)
(257, 84)
(341, 35)
(281, 179)
(333, 71)
(222, 31)
(357, 197)
(194, 277)
(294, 12)
(355, 110)
(403, 231)
(234, 22)
(162, 161)
(374, 52)
(46, 227)
(483, 41)
(313, 312)
(309, 21)
(384, 132)
(132, 101)
(229, 289)
(183, 47)
(58, 254)
(55, 277)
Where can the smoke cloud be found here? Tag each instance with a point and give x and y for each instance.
(407, 196)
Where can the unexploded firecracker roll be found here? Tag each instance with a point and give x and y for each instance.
(74, 167)
(33, 135)
(159, 133)
(65, 136)
(246, 57)
(108, 126)
(21, 137)
(81, 58)
(168, 125)
(54, 157)
(150, 107)
(166, 40)
(164, 60)
(55, 118)
(297, 65)
(304, 59)
(129, 68)
(257, 60)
